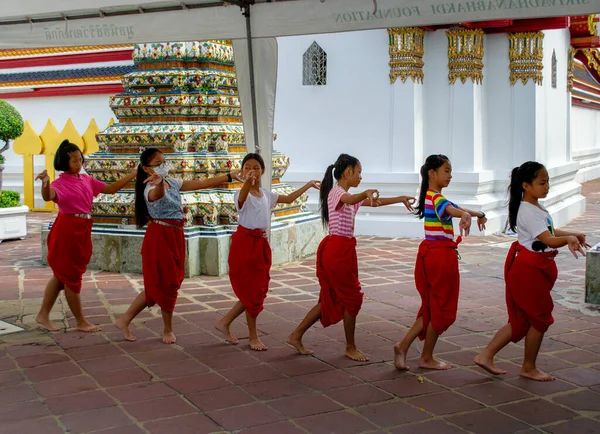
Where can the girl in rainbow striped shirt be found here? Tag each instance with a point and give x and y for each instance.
(439, 286)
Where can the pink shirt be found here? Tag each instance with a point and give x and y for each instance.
(75, 194)
(341, 215)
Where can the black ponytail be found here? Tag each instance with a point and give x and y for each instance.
(141, 207)
(433, 162)
(526, 172)
(334, 170)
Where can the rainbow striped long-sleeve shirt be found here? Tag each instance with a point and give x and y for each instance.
(438, 223)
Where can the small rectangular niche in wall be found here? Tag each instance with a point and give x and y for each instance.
(554, 69)
(314, 66)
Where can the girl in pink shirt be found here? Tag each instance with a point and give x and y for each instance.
(70, 238)
(337, 265)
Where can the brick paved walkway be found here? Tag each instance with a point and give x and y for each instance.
(78, 383)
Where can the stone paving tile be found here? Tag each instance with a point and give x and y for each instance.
(127, 384)
(46, 425)
(338, 422)
(487, 421)
(537, 412)
(189, 424)
(444, 403)
(429, 427)
(78, 402)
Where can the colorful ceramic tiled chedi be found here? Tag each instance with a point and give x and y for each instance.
(182, 99)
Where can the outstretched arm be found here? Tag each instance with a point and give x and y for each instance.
(205, 183)
(575, 245)
(113, 187)
(289, 198)
(406, 200)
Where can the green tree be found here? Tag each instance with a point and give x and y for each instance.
(11, 127)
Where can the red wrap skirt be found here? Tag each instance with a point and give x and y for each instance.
(70, 249)
(529, 278)
(250, 268)
(438, 281)
(163, 263)
(337, 271)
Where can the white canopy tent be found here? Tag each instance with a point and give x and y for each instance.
(43, 23)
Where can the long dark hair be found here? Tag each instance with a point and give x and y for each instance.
(433, 162)
(526, 172)
(61, 158)
(336, 169)
(141, 208)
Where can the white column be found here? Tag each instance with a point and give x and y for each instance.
(406, 152)
(466, 129)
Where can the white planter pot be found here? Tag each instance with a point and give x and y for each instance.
(13, 222)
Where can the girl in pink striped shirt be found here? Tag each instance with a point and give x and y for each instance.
(337, 266)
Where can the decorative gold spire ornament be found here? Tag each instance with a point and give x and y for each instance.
(526, 53)
(465, 55)
(406, 54)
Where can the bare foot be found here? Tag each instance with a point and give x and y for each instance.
(434, 364)
(488, 365)
(124, 327)
(46, 323)
(169, 338)
(356, 354)
(229, 337)
(536, 374)
(297, 343)
(257, 345)
(400, 358)
(88, 327)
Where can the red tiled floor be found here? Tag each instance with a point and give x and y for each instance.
(304, 405)
(141, 392)
(444, 403)
(245, 416)
(487, 421)
(189, 424)
(78, 402)
(359, 395)
(536, 412)
(392, 413)
(75, 371)
(341, 421)
(160, 408)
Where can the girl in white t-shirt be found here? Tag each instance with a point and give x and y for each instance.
(250, 253)
(530, 270)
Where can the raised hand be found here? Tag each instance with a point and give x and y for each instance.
(582, 241)
(315, 184)
(154, 179)
(373, 196)
(237, 175)
(250, 179)
(44, 177)
(481, 223)
(465, 224)
(575, 246)
(408, 202)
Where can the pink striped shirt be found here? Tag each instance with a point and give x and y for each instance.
(341, 215)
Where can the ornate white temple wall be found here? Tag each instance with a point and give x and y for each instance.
(585, 142)
(485, 129)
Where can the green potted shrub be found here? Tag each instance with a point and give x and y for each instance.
(11, 127)
(13, 216)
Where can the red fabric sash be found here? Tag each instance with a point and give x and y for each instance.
(337, 271)
(438, 281)
(529, 278)
(163, 263)
(250, 268)
(70, 249)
